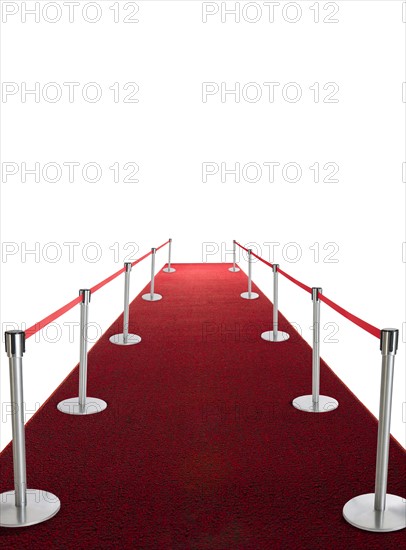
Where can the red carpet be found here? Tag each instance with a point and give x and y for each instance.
(200, 447)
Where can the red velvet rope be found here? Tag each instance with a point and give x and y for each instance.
(256, 255)
(142, 258)
(363, 324)
(298, 283)
(38, 326)
(97, 287)
(356, 320)
(262, 259)
(162, 245)
(41, 324)
(241, 246)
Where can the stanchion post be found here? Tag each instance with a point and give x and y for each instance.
(169, 269)
(21, 507)
(316, 348)
(249, 295)
(152, 296)
(83, 405)
(124, 338)
(381, 511)
(275, 335)
(234, 269)
(315, 403)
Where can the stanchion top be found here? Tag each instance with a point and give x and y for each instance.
(316, 290)
(389, 341)
(85, 293)
(15, 342)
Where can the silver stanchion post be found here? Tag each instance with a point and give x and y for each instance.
(83, 405)
(380, 511)
(169, 269)
(126, 339)
(315, 403)
(22, 507)
(152, 296)
(234, 269)
(275, 335)
(249, 295)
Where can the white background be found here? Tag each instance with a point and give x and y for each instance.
(170, 132)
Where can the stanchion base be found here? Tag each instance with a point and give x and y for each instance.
(118, 339)
(152, 297)
(40, 507)
(234, 269)
(169, 269)
(305, 403)
(280, 336)
(92, 406)
(360, 512)
(249, 295)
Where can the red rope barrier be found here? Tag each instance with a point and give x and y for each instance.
(38, 326)
(241, 246)
(142, 258)
(42, 324)
(162, 245)
(298, 283)
(100, 285)
(356, 320)
(262, 259)
(363, 324)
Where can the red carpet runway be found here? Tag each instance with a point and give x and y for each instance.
(200, 447)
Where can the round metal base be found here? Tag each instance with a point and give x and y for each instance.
(169, 269)
(152, 297)
(305, 403)
(234, 269)
(249, 295)
(92, 406)
(40, 507)
(280, 336)
(119, 339)
(360, 512)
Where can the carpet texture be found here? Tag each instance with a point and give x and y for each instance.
(200, 447)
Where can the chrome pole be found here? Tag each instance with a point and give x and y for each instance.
(315, 403)
(275, 335)
(15, 348)
(275, 301)
(316, 347)
(389, 347)
(379, 511)
(249, 295)
(83, 404)
(234, 268)
(128, 267)
(20, 507)
(152, 296)
(124, 338)
(153, 271)
(249, 273)
(84, 320)
(169, 269)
